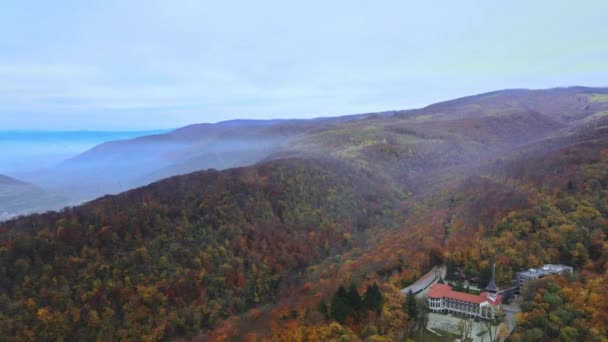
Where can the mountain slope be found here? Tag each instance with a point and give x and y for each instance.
(521, 208)
(408, 152)
(562, 104)
(176, 256)
(6, 180)
(130, 163)
(437, 136)
(254, 252)
(543, 202)
(564, 219)
(18, 198)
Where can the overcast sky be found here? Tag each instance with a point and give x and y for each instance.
(155, 64)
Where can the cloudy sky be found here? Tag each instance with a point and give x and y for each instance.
(156, 64)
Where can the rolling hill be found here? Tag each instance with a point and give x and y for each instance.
(561, 104)
(472, 125)
(5, 180)
(120, 165)
(220, 242)
(446, 134)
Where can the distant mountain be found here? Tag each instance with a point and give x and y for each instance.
(123, 164)
(19, 198)
(441, 135)
(5, 180)
(26, 152)
(562, 104)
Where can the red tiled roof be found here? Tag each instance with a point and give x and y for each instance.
(445, 291)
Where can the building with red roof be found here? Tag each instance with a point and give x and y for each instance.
(442, 298)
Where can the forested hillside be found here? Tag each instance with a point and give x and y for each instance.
(173, 258)
(566, 223)
(315, 242)
(140, 161)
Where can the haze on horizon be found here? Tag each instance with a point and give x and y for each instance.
(150, 64)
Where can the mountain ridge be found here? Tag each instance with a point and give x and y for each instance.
(140, 161)
(6, 180)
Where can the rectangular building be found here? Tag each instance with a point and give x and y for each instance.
(537, 273)
(442, 298)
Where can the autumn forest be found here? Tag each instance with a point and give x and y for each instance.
(314, 239)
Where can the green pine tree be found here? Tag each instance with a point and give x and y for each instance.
(410, 305)
(324, 309)
(372, 299)
(353, 298)
(340, 309)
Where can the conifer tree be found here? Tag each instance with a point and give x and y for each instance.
(354, 299)
(410, 305)
(340, 309)
(372, 299)
(324, 309)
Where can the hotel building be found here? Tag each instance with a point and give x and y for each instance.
(442, 298)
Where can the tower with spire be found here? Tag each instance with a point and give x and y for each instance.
(492, 289)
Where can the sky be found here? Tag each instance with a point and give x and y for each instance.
(147, 64)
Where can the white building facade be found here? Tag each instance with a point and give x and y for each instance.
(442, 298)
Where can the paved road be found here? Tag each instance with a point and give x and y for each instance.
(420, 285)
(510, 314)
